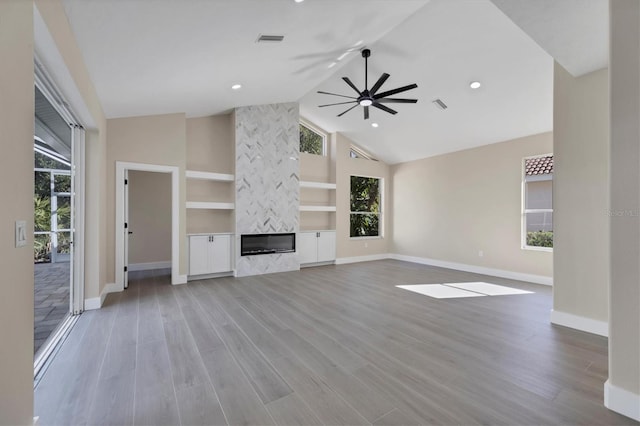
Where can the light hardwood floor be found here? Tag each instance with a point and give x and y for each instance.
(336, 345)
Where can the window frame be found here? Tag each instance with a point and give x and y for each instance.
(380, 208)
(524, 210)
(319, 132)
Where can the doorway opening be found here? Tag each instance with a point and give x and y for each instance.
(58, 198)
(122, 235)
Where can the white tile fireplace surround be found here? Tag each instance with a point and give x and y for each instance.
(267, 182)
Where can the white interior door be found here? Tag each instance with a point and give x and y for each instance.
(126, 228)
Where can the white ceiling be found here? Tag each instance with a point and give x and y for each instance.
(163, 56)
(574, 32)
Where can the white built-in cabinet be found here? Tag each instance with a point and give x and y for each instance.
(210, 254)
(316, 246)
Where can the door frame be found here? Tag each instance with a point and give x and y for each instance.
(121, 166)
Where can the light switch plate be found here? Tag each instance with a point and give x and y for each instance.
(21, 233)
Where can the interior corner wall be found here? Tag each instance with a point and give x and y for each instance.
(16, 170)
(267, 176)
(581, 199)
(622, 391)
(149, 217)
(451, 207)
(345, 166)
(157, 139)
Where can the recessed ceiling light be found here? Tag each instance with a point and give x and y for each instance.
(374, 125)
(475, 84)
(236, 86)
(298, 1)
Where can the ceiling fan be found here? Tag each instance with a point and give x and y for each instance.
(367, 98)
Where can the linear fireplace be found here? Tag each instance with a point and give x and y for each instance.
(254, 244)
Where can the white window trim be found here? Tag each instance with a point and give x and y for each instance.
(380, 213)
(318, 131)
(524, 211)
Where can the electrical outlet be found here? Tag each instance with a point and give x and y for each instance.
(480, 253)
(21, 233)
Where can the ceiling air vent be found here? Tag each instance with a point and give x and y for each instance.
(265, 38)
(439, 104)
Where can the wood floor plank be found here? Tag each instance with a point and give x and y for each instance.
(331, 345)
(186, 364)
(327, 405)
(239, 401)
(113, 401)
(291, 410)
(199, 405)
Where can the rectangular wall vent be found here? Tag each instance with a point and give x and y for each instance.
(439, 104)
(265, 38)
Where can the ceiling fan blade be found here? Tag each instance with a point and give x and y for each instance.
(384, 108)
(353, 86)
(340, 115)
(397, 101)
(339, 103)
(335, 94)
(394, 91)
(366, 113)
(379, 83)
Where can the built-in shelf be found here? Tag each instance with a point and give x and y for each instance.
(210, 205)
(317, 185)
(317, 208)
(220, 177)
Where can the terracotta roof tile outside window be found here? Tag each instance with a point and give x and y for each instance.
(539, 165)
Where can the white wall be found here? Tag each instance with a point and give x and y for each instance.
(149, 217)
(580, 199)
(451, 207)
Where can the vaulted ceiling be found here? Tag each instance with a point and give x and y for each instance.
(163, 56)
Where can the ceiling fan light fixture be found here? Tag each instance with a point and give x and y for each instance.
(370, 98)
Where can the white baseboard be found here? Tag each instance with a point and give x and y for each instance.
(589, 325)
(537, 279)
(356, 259)
(181, 279)
(149, 266)
(622, 401)
(96, 302)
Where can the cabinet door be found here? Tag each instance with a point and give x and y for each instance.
(307, 247)
(199, 256)
(221, 253)
(327, 246)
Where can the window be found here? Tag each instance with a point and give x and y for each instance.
(312, 141)
(537, 204)
(365, 206)
(355, 152)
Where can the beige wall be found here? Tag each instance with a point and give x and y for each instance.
(52, 12)
(317, 168)
(16, 168)
(149, 217)
(624, 318)
(452, 206)
(581, 194)
(210, 148)
(345, 168)
(158, 139)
